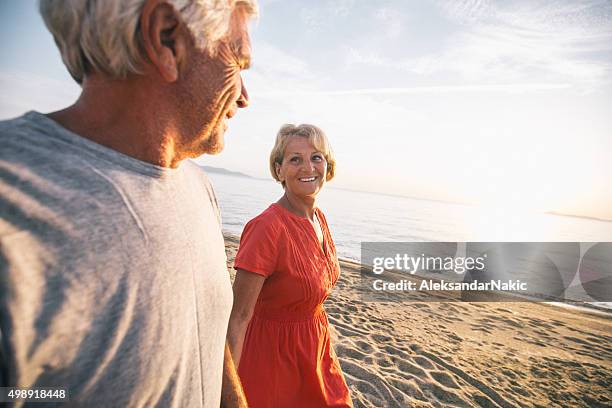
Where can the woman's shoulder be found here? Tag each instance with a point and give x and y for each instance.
(269, 220)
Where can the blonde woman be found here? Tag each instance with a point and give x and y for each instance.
(286, 267)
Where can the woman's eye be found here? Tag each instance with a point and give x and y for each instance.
(294, 159)
(317, 158)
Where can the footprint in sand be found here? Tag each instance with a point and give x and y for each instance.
(343, 351)
(444, 379)
(424, 362)
(381, 338)
(364, 346)
(408, 367)
(420, 305)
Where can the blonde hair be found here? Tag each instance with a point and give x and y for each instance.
(104, 35)
(315, 136)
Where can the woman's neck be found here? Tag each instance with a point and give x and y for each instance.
(298, 205)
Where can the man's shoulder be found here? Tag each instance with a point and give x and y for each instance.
(26, 155)
(196, 171)
(31, 122)
(29, 149)
(26, 140)
(42, 177)
(15, 123)
(12, 131)
(200, 178)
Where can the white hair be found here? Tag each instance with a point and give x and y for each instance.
(104, 35)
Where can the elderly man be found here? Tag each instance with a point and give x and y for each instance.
(113, 278)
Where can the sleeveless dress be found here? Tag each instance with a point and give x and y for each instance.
(287, 359)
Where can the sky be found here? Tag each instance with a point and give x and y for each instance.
(504, 104)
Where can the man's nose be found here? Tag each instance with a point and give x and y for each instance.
(243, 100)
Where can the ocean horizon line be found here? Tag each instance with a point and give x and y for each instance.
(227, 172)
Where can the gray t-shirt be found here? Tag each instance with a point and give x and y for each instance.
(113, 277)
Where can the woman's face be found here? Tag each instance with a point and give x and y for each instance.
(304, 168)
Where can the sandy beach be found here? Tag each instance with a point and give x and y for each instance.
(441, 354)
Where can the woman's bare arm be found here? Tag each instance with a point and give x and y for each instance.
(232, 394)
(247, 286)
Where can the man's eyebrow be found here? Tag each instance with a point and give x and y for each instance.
(243, 53)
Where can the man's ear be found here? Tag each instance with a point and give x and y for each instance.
(163, 37)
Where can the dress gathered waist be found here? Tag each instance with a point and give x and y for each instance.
(293, 316)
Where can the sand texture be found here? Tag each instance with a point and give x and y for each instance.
(443, 354)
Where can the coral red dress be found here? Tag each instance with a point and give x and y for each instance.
(287, 359)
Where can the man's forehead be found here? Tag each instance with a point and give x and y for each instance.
(239, 20)
(238, 33)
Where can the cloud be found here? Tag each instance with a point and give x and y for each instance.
(501, 42)
(578, 16)
(506, 88)
(392, 22)
(356, 57)
(278, 72)
(342, 8)
(275, 62)
(465, 11)
(311, 19)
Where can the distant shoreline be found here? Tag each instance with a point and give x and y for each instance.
(584, 217)
(221, 170)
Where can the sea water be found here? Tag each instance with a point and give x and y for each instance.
(356, 217)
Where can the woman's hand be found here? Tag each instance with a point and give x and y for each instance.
(247, 286)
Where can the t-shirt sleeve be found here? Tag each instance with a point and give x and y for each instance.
(259, 247)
